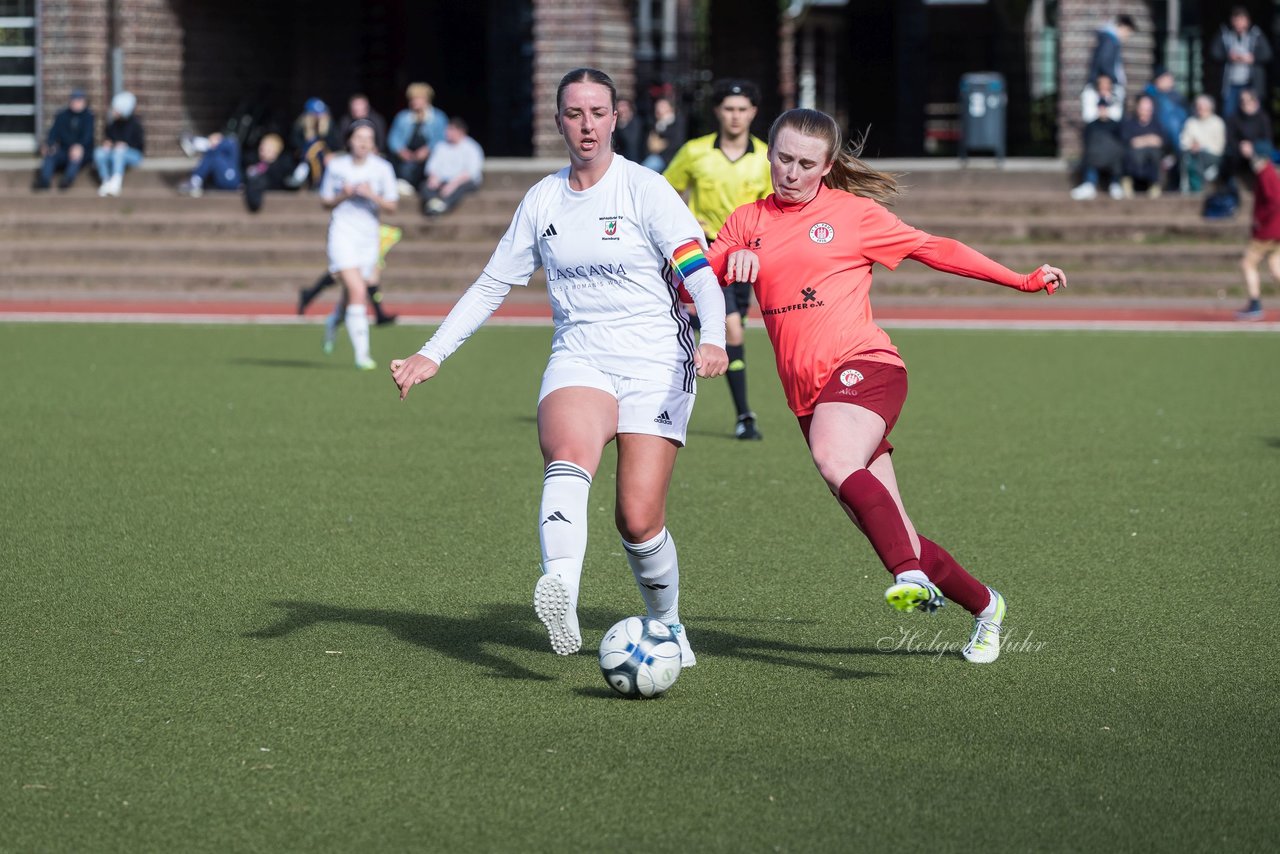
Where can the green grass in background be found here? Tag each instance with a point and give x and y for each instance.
(251, 602)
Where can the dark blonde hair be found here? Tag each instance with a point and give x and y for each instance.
(586, 75)
(848, 172)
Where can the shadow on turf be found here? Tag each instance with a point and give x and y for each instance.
(471, 639)
(466, 639)
(280, 363)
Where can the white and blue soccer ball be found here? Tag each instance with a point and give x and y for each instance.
(640, 657)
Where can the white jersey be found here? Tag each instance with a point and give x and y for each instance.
(606, 252)
(354, 223)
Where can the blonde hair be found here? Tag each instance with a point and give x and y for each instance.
(848, 172)
(420, 90)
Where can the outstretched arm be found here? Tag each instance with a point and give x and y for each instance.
(952, 256)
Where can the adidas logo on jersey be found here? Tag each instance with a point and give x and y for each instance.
(551, 231)
(664, 418)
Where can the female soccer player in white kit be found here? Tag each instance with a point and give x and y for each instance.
(608, 232)
(358, 187)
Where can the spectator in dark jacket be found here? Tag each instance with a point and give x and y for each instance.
(271, 171)
(1144, 145)
(69, 140)
(1243, 52)
(219, 166)
(1249, 124)
(123, 145)
(358, 107)
(1108, 57)
(628, 136)
(313, 140)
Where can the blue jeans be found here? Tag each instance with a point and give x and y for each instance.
(1231, 98)
(113, 161)
(56, 160)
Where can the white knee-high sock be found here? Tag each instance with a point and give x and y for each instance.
(562, 522)
(657, 572)
(358, 329)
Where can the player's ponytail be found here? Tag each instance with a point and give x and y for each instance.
(848, 172)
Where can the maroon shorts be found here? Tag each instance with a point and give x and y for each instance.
(877, 386)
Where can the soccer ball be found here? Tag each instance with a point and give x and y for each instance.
(640, 657)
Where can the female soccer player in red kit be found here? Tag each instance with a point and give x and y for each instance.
(808, 249)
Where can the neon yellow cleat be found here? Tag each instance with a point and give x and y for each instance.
(910, 596)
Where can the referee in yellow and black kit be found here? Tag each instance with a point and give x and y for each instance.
(716, 174)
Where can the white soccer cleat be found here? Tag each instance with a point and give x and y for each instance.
(984, 645)
(687, 658)
(551, 604)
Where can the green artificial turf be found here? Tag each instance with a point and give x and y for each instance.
(251, 602)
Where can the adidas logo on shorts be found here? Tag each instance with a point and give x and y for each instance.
(664, 418)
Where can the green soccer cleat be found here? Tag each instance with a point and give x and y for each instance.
(910, 596)
(984, 645)
(366, 365)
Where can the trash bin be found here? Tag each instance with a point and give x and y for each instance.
(984, 101)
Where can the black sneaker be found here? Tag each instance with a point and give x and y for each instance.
(39, 183)
(746, 427)
(386, 320)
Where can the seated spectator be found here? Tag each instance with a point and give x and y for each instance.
(1202, 142)
(69, 139)
(455, 168)
(665, 136)
(314, 139)
(414, 131)
(123, 145)
(219, 166)
(1171, 114)
(271, 171)
(1144, 149)
(1249, 124)
(1104, 151)
(358, 107)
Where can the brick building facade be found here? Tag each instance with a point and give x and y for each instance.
(883, 64)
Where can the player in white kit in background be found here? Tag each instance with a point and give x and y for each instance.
(616, 241)
(358, 187)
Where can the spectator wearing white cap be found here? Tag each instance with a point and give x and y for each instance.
(123, 144)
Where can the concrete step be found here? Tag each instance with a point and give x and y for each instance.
(28, 280)
(423, 252)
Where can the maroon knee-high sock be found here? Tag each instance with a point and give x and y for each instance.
(878, 515)
(952, 578)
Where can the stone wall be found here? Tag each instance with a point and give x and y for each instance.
(1078, 22)
(568, 34)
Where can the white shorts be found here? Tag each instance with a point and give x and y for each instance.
(346, 253)
(643, 406)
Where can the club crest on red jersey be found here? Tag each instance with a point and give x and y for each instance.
(822, 232)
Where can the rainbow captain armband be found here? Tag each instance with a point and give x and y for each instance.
(689, 259)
